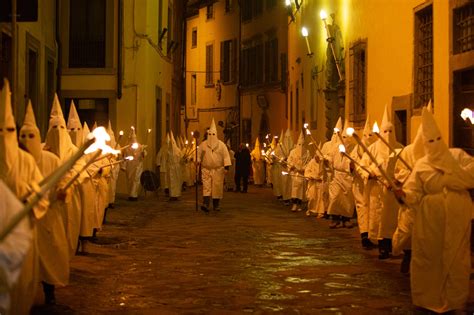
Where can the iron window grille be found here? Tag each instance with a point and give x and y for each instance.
(423, 56)
(463, 28)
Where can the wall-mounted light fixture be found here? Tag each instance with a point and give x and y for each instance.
(304, 32)
(289, 9)
(162, 35)
(323, 15)
(170, 47)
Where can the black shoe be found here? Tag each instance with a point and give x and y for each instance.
(384, 248)
(111, 205)
(244, 191)
(132, 198)
(280, 197)
(367, 244)
(405, 266)
(49, 298)
(205, 208)
(173, 199)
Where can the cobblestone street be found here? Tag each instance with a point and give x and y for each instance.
(254, 256)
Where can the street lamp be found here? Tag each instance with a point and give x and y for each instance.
(323, 15)
(289, 8)
(304, 32)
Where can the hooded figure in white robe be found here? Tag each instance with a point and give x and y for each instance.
(275, 155)
(52, 241)
(437, 192)
(286, 147)
(402, 236)
(74, 126)
(114, 170)
(315, 175)
(161, 162)
(359, 188)
(59, 142)
(328, 150)
(258, 164)
(19, 171)
(173, 170)
(341, 200)
(14, 248)
(383, 206)
(134, 168)
(297, 160)
(268, 162)
(215, 162)
(229, 176)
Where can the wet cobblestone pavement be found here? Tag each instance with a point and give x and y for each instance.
(255, 256)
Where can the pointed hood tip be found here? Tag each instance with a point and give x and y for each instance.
(30, 119)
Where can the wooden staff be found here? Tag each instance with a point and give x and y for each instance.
(376, 130)
(44, 186)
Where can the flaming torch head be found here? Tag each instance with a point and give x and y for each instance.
(121, 133)
(134, 146)
(101, 137)
(306, 125)
(350, 131)
(336, 130)
(342, 148)
(284, 173)
(129, 158)
(375, 128)
(467, 114)
(308, 132)
(149, 130)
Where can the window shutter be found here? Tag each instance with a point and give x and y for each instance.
(222, 78)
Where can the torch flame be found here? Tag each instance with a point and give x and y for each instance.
(247, 145)
(121, 132)
(336, 130)
(342, 148)
(284, 173)
(132, 127)
(308, 132)
(129, 158)
(149, 130)
(101, 137)
(305, 126)
(263, 152)
(192, 133)
(273, 153)
(264, 145)
(186, 142)
(467, 114)
(375, 128)
(134, 145)
(350, 131)
(266, 137)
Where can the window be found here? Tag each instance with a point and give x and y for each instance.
(463, 19)
(228, 61)
(194, 38)
(193, 89)
(209, 11)
(246, 10)
(259, 62)
(271, 4)
(209, 65)
(271, 60)
(258, 7)
(423, 56)
(87, 34)
(160, 17)
(358, 82)
(228, 5)
(6, 58)
(32, 75)
(253, 63)
(283, 74)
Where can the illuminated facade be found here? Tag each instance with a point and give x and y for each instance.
(400, 53)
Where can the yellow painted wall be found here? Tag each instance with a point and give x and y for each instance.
(388, 27)
(43, 31)
(270, 19)
(223, 26)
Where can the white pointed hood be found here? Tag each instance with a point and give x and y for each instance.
(256, 153)
(85, 131)
(110, 131)
(8, 133)
(418, 145)
(74, 126)
(212, 140)
(368, 137)
(300, 147)
(429, 107)
(173, 148)
(94, 126)
(58, 140)
(436, 149)
(349, 142)
(30, 136)
(288, 143)
(132, 137)
(387, 131)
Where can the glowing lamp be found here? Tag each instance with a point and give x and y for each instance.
(323, 15)
(287, 2)
(304, 31)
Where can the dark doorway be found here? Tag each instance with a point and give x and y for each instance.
(463, 97)
(32, 80)
(401, 126)
(91, 110)
(158, 118)
(5, 58)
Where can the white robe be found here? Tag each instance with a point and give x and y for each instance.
(114, 174)
(383, 206)
(213, 161)
(297, 162)
(23, 172)
(258, 170)
(52, 240)
(360, 191)
(341, 199)
(134, 168)
(174, 173)
(314, 193)
(14, 248)
(441, 256)
(161, 161)
(277, 168)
